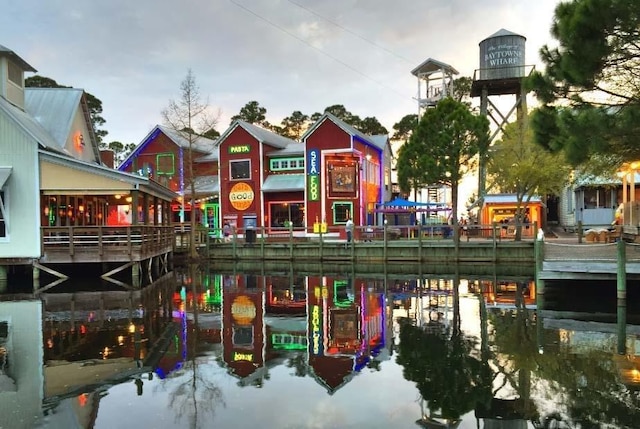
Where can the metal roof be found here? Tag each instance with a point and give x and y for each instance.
(585, 180)
(375, 141)
(207, 185)
(6, 52)
(292, 149)
(30, 126)
(54, 109)
(283, 183)
(265, 136)
(507, 199)
(201, 144)
(137, 182)
(502, 32)
(431, 66)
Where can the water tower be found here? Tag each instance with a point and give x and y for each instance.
(501, 73)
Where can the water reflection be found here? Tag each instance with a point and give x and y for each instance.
(200, 348)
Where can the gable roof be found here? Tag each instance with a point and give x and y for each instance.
(203, 145)
(263, 136)
(6, 52)
(431, 66)
(30, 126)
(56, 108)
(344, 127)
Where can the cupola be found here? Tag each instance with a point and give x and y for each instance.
(12, 69)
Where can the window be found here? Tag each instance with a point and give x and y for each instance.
(598, 198)
(342, 212)
(15, 74)
(240, 169)
(165, 164)
(3, 215)
(286, 164)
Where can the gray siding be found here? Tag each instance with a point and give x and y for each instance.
(23, 408)
(22, 191)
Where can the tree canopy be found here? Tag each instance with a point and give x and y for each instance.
(253, 113)
(591, 87)
(518, 165)
(445, 142)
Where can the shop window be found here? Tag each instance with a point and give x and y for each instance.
(165, 164)
(341, 212)
(597, 198)
(283, 215)
(240, 169)
(4, 224)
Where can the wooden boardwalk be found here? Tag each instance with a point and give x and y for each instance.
(567, 258)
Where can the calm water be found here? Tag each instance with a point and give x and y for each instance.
(228, 350)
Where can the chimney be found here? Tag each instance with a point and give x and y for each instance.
(108, 158)
(12, 69)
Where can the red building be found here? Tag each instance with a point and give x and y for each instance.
(348, 173)
(164, 156)
(261, 177)
(252, 177)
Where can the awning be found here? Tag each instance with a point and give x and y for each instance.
(5, 172)
(206, 185)
(283, 183)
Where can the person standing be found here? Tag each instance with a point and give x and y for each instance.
(349, 228)
(226, 232)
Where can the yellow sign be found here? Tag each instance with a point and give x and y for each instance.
(243, 310)
(320, 228)
(241, 196)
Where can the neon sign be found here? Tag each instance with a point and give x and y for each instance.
(314, 188)
(245, 148)
(315, 330)
(238, 356)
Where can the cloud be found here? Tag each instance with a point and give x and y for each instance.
(286, 54)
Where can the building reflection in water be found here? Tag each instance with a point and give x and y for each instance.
(326, 327)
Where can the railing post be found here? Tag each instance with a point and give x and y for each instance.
(579, 232)
(262, 233)
(234, 244)
(384, 238)
(321, 244)
(539, 259)
(291, 241)
(420, 243)
(100, 249)
(71, 241)
(129, 244)
(494, 227)
(622, 297)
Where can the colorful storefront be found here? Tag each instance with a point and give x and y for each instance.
(347, 174)
(501, 209)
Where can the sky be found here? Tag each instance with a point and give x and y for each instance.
(286, 54)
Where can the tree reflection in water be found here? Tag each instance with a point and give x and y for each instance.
(445, 365)
(196, 396)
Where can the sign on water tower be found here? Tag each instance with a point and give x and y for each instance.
(502, 56)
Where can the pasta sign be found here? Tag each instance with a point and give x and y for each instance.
(241, 196)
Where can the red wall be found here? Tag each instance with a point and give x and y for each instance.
(239, 136)
(327, 136)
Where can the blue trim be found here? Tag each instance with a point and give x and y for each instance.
(139, 149)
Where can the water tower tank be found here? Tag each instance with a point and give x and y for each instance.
(502, 56)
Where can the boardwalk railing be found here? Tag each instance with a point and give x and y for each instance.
(72, 241)
(429, 232)
(588, 252)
